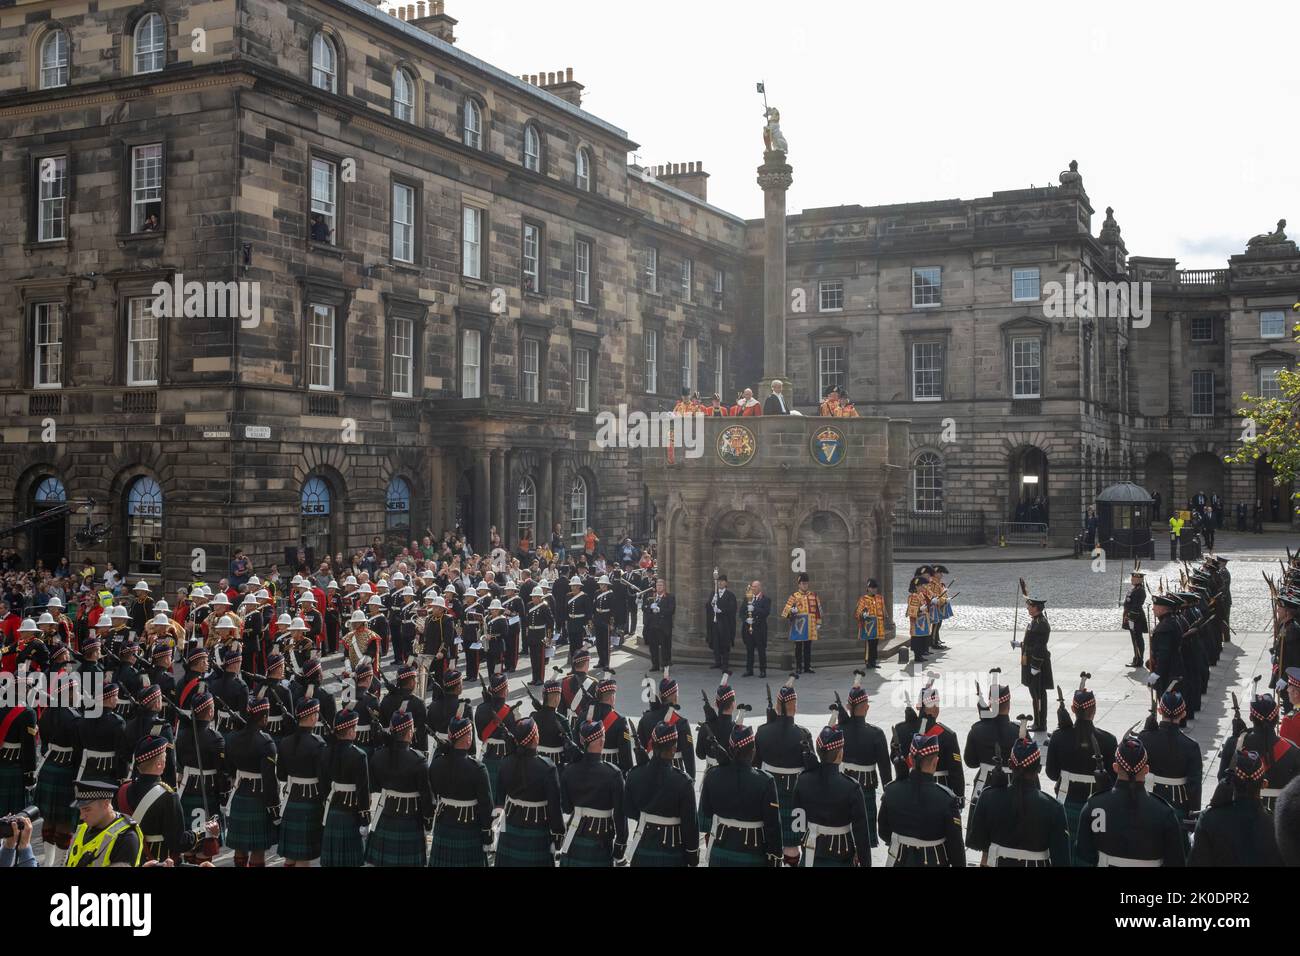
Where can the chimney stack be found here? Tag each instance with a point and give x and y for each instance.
(561, 83)
(688, 177)
(435, 21)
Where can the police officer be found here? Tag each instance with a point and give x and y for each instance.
(920, 818)
(1174, 758)
(832, 807)
(1018, 824)
(866, 752)
(591, 792)
(103, 834)
(1125, 825)
(462, 826)
(662, 801)
(1235, 829)
(784, 749)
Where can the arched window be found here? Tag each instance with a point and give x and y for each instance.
(532, 148)
(403, 96)
(397, 508)
(472, 134)
(527, 522)
(582, 166)
(144, 527)
(150, 44)
(324, 64)
(54, 60)
(578, 510)
(50, 492)
(927, 483)
(316, 518)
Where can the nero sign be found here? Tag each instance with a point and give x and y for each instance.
(78, 910)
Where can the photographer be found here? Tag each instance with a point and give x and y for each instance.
(16, 849)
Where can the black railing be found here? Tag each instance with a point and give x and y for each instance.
(924, 529)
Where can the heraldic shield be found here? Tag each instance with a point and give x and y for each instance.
(828, 446)
(799, 626)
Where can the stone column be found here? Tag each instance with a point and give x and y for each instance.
(774, 177)
(482, 502)
(436, 514)
(498, 507)
(1178, 384)
(545, 499)
(559, 496)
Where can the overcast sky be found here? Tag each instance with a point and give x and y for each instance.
(1183, 116)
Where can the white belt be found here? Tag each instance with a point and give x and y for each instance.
(1269, 793)
(873, 779)
(816, 830)
(1068, 778)
(550, 751)
(575, 823)
(86, 757)
(898, 840)
(56, 748)
(386, 795)
(291, 782)
(454, 804)
(1105, 859)
(997, 851)
(338, 788)
(786, 772)
(721, 823)
(15, 745)
(648, 819)
(495, 743)
(189, 773)
(240, 777)
(1153, 781)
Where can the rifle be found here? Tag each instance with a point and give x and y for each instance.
(1063, 720)
(771, 711)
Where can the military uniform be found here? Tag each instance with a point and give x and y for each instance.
(834, 810)
(712, 741)
(538, 624)
(920, 818)
(591, 792)
(1280, 758)
(300, 766)
(1036, 663)
(618, 730)
(394, 701)
(494, 723)
(1135, 619)
(201, 762)
(1236, 830)
(662, 801)
(1018, 824)
(988, 743)
(533, 824)
(1174, 759)
(1126, 826)
(156, 808)
(739, 808)
(784, 749)
(345, 777)
(462, 826)
(661, 710)
(406, 808)
(866, 756)
(1077, 759)
(18, 757)
(253, 812)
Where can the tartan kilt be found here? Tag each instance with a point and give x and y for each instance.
(648, 853)
(722, 856)
(397, 841)
(250, 829)
(822, 859)
(13, 790)
(54, 794)
(456, 846)
(587, 851)
(300, 830)
(341, 839)
(1072, 813)
(524, 846)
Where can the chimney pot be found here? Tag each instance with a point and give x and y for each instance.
(421, 7)
(550, 79)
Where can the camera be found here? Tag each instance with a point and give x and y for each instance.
(9, 824)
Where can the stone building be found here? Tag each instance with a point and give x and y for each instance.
(456, 268)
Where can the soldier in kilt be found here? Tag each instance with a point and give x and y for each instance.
(534, 825)
(738, 810)
(462, 825)
(833, 807)
(347, 809)
(253, 813)
(866, 751)
(1078, 755)
(592, 791)
(784, 749)
(495, 722)
(662, 799)
(300, 765)
(405, 803)
(54, 783)
(201, 757)
(17, 757)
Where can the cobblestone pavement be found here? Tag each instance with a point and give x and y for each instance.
(1084, 594)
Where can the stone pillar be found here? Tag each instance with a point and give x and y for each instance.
(545, 499)
(482, 502)
(1178, 384)
(774, 177)
(559, 496)
(498, 507)
(437, 511)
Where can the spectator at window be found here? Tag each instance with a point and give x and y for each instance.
(240, 569)
(320, 232)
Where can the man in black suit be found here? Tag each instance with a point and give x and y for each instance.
(658, 609)
(776, 403)
(754, 630)
(720, 613)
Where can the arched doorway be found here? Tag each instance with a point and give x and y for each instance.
(1276, 498)
(1204, 475)
(1028, 498)
(317, 510)
(144, 528)
(1158, 478)
(48, 540)
(397, 515)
